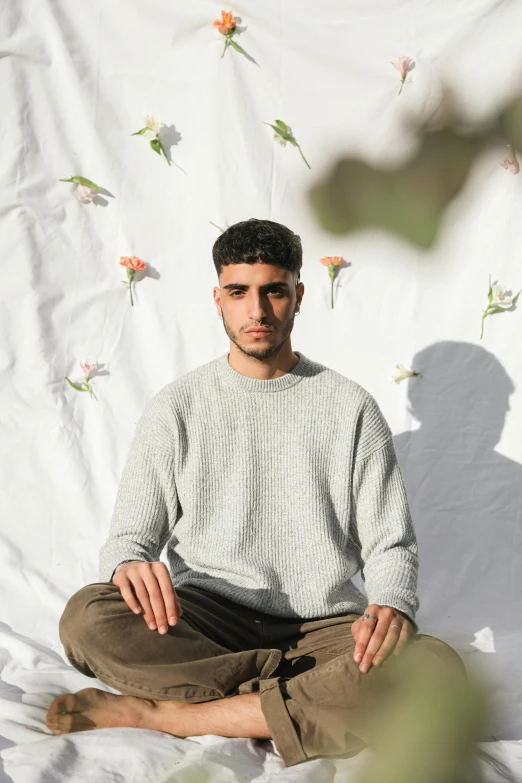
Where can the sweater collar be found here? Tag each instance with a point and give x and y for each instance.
(237, 379)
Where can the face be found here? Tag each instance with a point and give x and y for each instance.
(257, 295)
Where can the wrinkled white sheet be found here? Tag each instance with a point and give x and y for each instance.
(75, 82)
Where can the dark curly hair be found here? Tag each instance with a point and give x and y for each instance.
(252, 240)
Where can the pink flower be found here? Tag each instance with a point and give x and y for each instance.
(332, 262)
(329, 260)
(510, 162)
(88, 366)
(85, 194)
(133, 264)
(403, 65)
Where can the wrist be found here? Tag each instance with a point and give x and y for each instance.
(123, 563)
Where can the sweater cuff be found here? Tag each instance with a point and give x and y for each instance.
(113, 556)
(403, 601)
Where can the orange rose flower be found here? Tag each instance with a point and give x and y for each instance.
(226, 24)
(332, 262)
(227, 27)
(133, 264)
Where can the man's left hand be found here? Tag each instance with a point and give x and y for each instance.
(376, 640)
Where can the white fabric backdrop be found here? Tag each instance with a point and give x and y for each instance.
(75, 82)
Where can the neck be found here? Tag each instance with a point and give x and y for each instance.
(263, 369)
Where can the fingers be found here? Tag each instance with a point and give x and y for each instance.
(365, 632)
(128, 596)
(385, 638)
(389, 643)
(380, 632)
(142, 592)
(155, 595)
(173, 608)
(147, 587)
(405, 634)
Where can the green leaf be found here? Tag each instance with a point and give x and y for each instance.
(154, 143)
(74, 385)
(237, 47)
(164, 153)
(280, 132)
(141, 132)
(82, 181)
(407, 200)
(282, 125)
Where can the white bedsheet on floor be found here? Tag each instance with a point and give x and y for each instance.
(75, 82)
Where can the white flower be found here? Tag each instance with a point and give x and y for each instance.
(501, 297)
(280, 139)
(402, 373)
(498, 299)
(152, 124)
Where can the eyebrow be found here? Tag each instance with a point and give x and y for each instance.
(263, 287)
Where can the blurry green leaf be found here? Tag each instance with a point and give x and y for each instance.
(510, 121)
(141, 132)
(408, 201)
(282, 125)
(154, 143)
(427, 727)
(278, 130)
(82, 181)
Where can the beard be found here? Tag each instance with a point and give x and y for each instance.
(258, 350)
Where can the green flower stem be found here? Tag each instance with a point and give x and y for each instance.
(163, 150)
(402, 84)
(490, 309)
(225, 47)
(303, 157)
(331, 272)
(482, 323)
(85, 385)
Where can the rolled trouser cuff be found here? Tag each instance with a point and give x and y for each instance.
(279, 722)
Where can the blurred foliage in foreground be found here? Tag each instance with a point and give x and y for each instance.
(409, 199)
(425, 729)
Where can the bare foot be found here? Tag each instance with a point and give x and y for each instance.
(92, 708)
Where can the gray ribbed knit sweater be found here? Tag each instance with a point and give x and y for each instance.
(273, 493)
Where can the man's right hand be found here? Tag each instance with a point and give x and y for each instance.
(153, 592)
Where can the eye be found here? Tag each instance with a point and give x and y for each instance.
(277, 293)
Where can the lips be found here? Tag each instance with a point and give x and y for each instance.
(263, 331)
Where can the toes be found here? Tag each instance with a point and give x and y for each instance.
(67, 702)
(61, 707)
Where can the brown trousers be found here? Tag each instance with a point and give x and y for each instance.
(314, 699)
